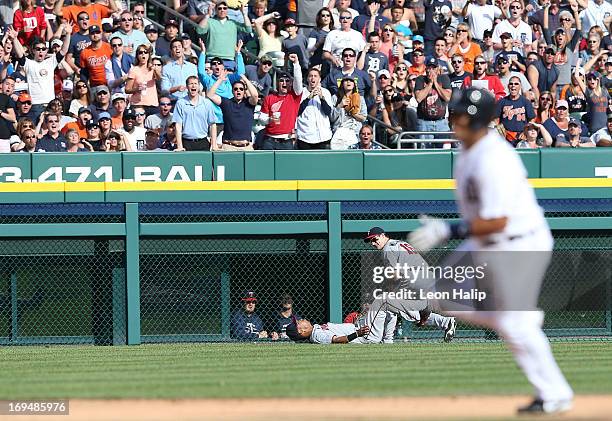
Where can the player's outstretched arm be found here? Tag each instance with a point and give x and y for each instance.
(362, 331)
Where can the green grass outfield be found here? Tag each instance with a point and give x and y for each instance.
(287, 370)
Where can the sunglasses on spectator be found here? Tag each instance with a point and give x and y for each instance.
(502, 61)
(401, 68)
(221, 8)
(591, 78)
(388, 30)
(515, 7)
(326, 15)
(345, 17)
(140, 12)
(461, 30)
(216, 63)
(565, 20)
(165, 104)
(238, 88)
(417, 54)
(457, 61)
(514, 84)
(348, 55)
(140, 114)
(84, 18)
(389, 91)
(383, 76)
(143, 52)
(266, 63)
(115, 45)
(284, 79)
(102, 93)
(81, 86)
(126, 19)
(27, 102)
(157, 64)
(449, 34)
(562, 108)
(480, 63)
(40, 48)
(593, 41)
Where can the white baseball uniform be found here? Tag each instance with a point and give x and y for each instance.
(323, 334)
(491, 182)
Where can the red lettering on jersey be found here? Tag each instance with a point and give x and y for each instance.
(408, 248)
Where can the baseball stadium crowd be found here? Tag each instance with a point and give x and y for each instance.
(299, 74)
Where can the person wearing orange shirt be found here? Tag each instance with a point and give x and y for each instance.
(96, 11)
(418, 63)
(94, 57)
(465, 47)
(85, 115)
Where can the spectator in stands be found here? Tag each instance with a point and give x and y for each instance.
(246, 324)
(141, 81)
(222, 33)
(7, 118)
(217, 65)
(313, 127)
(459, 74)
(514, 111)
(348, 70)
(295, 43)
(400, 79)
(119, 102)
(152, 34)
(140, 113)
(432, 92)
(504, 73)
(483, 80)
(39, 71)
(441, 54)
(418, 63)
(134, 135)
(93, 136)
(543, 74)
(390, 46)
(105, 123)
(371, 20)
(481, 17)
(545, 108)
(348, 113)
(117, 68)
(94, 58)
(53, 141)
(73, 142)
(238, 111)
(95, 11)
(565, 57)
(316, 39)
(131, 37)
(78, 42)
(176, 71)
(101, 102)
(30, 23)
(160, 120)
(557, 125)
(534, 136)
(488, 52)
(259, 75)
(597, 101)
(520, 31)
(574, 138)
(286, 315)
(596, 13)
(56, 106)
(371, 60)
(168, 139)
(366, 135)
(603, 137)
(162, 44)
(403, 20)
(437, 19)
(574, 95)
(267, 29)
(339, 6)
(340, 39)
(80, 98)
(279, 110)
(465, 47)
(84, 116)
(117, 142)
(28, 140)
(24, 107)
(195, 120)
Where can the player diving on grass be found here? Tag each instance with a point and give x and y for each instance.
(505, 230)
(328, 333)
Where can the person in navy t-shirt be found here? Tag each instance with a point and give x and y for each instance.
(514, 110)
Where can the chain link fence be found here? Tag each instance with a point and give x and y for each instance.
(576, 291)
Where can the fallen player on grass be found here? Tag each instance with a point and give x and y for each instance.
(328, 333)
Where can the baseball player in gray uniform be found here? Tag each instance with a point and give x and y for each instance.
(505, 228)
(328, 333)
(382, 316)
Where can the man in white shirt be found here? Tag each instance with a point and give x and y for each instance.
(480, 16)
(521, 32)
(342, 38)
(596, 12)
(313, 128)
(135, 135)
(341, 6)
(603, 136)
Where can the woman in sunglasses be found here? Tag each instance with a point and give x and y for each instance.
(316, 39)
(348, 113)
(268, 33)
(465, 47)
(574, 95)
(81, 97)
(16, 140)
(597, 100)
(141, 81)
(545, 108)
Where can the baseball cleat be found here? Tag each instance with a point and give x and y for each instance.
(538, 406)
(449, 333)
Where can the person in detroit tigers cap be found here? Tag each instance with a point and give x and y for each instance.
(246, 324)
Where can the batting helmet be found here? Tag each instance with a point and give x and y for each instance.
(478, 104)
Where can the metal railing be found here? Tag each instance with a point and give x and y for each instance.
(410, 137)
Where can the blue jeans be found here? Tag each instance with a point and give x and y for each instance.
(433, 126)
(270, 144)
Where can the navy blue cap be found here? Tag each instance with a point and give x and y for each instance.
(374, 231)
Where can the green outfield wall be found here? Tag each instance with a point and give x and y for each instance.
(286, 165)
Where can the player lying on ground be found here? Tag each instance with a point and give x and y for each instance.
(328, 333)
